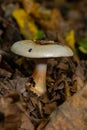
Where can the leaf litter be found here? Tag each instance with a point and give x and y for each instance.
(65, 76)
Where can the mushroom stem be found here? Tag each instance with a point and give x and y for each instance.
(39, 77)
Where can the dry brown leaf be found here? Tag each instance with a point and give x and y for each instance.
(28, 4)
(5, 73)
(26, 123)
(79, 76)
(49, 108)
(72, 114)
(42, 124)
(13, 113)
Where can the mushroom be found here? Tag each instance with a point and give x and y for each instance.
(41, 51)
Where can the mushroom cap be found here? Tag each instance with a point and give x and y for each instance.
(31, 49)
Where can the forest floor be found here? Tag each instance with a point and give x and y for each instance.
(64, 22)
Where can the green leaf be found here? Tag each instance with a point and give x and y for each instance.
(39, 34)
(83, 46)
(83, 50)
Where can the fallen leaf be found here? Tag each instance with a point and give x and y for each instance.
(71, 114)
(70, 39)
(13, 114)
(83, 46)
(25, 23)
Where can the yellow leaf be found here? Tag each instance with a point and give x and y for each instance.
(20, 16)
(25, 23)
(70, 39)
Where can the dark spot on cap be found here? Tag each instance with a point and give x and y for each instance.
(30, 50)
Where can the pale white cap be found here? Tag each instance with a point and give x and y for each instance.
(31, 49)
